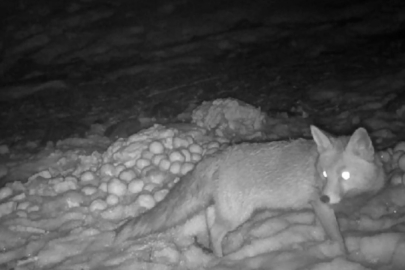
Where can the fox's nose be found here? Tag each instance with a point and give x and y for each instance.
(325, 199)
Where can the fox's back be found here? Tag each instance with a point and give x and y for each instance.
(277, 175)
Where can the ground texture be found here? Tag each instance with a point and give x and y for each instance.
(69, 64)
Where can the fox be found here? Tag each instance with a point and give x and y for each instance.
(286, 175)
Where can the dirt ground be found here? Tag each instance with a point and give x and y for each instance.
(66, 65)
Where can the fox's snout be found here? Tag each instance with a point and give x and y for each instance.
(331, 199)
(331, 193)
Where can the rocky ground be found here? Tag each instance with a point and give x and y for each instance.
(66, 65)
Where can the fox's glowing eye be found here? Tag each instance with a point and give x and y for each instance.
(325, 174)
(346, 175)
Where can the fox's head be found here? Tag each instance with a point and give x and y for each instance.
(347, 165)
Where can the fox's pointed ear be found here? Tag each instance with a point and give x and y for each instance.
(361, 145)
(321, 139)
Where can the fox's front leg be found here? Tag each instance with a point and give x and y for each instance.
(327, 217)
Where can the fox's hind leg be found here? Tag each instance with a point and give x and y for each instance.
(218, 232)
(218, 228)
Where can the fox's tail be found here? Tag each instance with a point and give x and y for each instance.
(191, 194)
